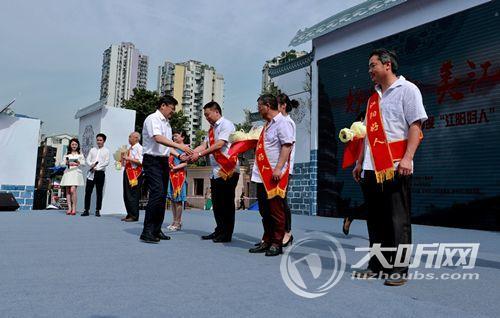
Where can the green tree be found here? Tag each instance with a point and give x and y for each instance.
(144, 103)
(247, 124)
(179, 121)
(199, 136)
(271, 89)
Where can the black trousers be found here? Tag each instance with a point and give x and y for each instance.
(223, 204)
(155, 170)
(132, 195)
(98, 182)
(389, 209)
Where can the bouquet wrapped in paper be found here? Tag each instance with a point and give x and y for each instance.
(357, 131)
(243, 141)
(353, 138)
(118, 155)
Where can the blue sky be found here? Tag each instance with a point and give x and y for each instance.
(52, 50)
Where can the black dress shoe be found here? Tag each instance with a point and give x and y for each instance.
(289, 242)
(148, 238)
(262, 248)
(346, 225)
(130, 219)
(221, 239)
(162, 236)
(398, 281)
(209, 236)
(97, 213)
(274, 250)
(85, 213)
(258, 243)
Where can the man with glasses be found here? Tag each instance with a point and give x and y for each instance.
(270, 173)
(394, 117)
(157, 145)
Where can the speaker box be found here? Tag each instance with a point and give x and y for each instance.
(8, 202)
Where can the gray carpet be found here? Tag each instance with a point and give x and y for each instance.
(53, 265)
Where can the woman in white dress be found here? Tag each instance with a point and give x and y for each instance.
(72, 177)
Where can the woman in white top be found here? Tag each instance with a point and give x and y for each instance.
(73, 176)
(285, 106)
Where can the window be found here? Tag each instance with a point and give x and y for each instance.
(198, 187)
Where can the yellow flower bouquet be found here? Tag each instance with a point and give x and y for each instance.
(118, 155)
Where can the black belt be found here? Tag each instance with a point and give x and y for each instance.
(153, 157)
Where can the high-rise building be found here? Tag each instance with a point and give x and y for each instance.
(193, 84)
(123, 69)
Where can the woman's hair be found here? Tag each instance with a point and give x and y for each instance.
(183, 133)
(69, 146)
(290, 104)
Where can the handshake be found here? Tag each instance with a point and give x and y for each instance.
(190, 158)
(189, 155)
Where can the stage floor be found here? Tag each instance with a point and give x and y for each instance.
(53, 265)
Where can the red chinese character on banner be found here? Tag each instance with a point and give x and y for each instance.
(448, 86)
(350, 102)
(360, 100)
(472, 75)
(357, 99)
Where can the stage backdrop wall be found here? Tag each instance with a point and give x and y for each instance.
(455, 61)
(19, 143)
(294, 79)
(116, 124)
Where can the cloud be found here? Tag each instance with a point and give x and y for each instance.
(52, 50)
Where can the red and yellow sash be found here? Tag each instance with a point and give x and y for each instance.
(227, 165)
(177, 178)
(384, 153)
(132, 173)
(273, 188)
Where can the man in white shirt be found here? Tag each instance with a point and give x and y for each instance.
(394, 117)
(157, 145)
(132, 177)
(225, 173)
(270, 172)
(97, 160)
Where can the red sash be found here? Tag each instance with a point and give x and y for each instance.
(384, 153)
(377, 140)
(132, 173)
(273, 188)
(177, 178)
(354, 147)
(226, 164)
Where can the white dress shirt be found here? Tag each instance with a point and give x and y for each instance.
(279, 131)
(135, 153)
(400, 105)
(154, 125)
(222, 129)
(292, 154)
(100, 155)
